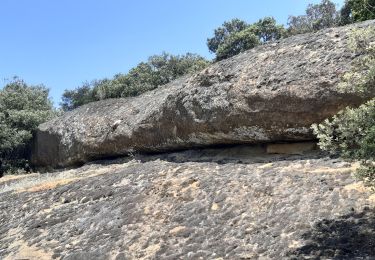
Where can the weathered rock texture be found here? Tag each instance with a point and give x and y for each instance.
(191, 205)
(271, 93)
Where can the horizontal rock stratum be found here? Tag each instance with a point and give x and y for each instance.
(268, 94)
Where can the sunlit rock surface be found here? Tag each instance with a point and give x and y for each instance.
(271, 93)
(226, 203)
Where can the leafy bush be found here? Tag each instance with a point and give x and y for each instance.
(361, 78)
(157, 71)
(351, 133)
(22, 109)
(348, 133)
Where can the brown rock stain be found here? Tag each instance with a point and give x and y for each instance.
(176, 230)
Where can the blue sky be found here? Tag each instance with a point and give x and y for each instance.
(63, 43)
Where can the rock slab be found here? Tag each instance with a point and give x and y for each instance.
(271, 93)
(183, 208)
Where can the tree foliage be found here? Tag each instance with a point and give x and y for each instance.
(351, 133)
(77, 97)
(157, 71)
(268, 30)
(22, 109)
(317, 17)
(222, 33)
(357, 11)
(236, 43)
(236, 36)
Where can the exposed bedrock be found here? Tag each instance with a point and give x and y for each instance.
(271, 93)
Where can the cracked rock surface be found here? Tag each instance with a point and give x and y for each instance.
(178, 206)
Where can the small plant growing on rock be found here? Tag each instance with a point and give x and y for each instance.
(351, 133)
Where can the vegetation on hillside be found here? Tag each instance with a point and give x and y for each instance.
(232, 38)
(351, 133)
(236, 36)
(357, 11)
(157, 71)
(22, 108)
(317, 17)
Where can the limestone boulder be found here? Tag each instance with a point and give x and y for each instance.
(272, 93)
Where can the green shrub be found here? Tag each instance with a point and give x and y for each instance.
(157, 71)
(236, 43)
(22, 109)
(222, 33)
(236, 36)
(351, 133)
(361, 78)
(357, 11)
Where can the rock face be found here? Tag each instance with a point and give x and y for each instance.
(291, 148)
(268, 94)
(190, 205)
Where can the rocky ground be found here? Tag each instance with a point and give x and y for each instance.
(208, 204)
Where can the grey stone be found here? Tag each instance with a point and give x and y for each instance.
(271, 93)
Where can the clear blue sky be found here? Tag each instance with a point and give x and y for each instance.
(64, 43)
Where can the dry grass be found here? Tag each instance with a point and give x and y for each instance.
(342, 170)
(49, 185)
(15, 177)
(40, 182)
(360, 187)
